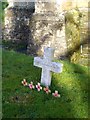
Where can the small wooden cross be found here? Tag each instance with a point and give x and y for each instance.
(47, 66)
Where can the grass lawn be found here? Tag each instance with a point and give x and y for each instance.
(21, 102)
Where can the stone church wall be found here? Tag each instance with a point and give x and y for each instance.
(47, 29)
(17, 28)
(40, 26)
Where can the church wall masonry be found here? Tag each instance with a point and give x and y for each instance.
(17, 18)
(44, 27)
(48, 29)
(37, 25)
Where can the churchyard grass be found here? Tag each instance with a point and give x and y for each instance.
(21, 102)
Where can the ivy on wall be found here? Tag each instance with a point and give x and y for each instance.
(72, 20)
(76, 34)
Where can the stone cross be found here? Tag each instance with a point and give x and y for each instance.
(47, 66)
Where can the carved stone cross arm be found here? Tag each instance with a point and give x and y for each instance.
(54, 67)
(47, 66)
(38, 62)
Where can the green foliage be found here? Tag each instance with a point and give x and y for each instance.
(20, 102)
(74, 16)
(3, 5)
(73, 28)
(76, 34)
(76, 57)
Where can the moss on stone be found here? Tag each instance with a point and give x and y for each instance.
(76, 35)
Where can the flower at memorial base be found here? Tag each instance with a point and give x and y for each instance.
(47, 90)
(31, 86)
(38, 87)
(56, 94)
(24, 82)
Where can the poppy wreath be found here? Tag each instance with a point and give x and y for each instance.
(38, 87)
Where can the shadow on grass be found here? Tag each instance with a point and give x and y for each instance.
(21, 102)
(73, 86)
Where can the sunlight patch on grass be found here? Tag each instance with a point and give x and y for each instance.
(26, 103)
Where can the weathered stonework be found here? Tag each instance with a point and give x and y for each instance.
(47, 29)
(17, 18)
(82, 55)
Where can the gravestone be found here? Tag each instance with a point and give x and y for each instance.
(47, 65)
